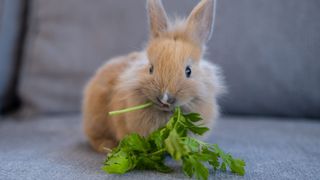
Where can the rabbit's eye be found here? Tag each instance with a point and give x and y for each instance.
(188, 71)
(151, 69)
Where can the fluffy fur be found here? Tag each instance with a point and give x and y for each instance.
(126, 81)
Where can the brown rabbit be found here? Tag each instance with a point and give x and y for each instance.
(170, 72)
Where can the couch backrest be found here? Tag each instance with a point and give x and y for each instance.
(269, 51)
(11, 20)
(1, 11)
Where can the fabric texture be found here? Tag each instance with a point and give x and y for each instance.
(1, 11)
(268, 51)
(10, 24)
(54, 148)
(64, 48)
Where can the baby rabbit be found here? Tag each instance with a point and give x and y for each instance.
(170, 72)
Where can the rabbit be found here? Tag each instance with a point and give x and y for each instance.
(169, 72)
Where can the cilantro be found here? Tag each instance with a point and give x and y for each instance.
(136, 152)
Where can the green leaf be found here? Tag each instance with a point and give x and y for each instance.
(200, 171)
(223, 166)
(189, 124)
(174, 119)
(136, 152)
(135, 142)
(237, 166)
(187, 167)
(152, 163)
(192, 144)
(193, 167)
(198, 130)
(157, 139)
(174, 145)
(213, 158)
(194, 117)
(171, 123)
(119, 163)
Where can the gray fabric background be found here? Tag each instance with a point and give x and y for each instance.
(269, 51)
(10, 24)
(1, 12)
(54, 148)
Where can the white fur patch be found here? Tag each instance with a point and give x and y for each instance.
(130, 76)
(165, 97)
(214, 75)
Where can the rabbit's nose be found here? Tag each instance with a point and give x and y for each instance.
(166, 99)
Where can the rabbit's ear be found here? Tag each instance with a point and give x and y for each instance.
(200, 21)
(158, 19)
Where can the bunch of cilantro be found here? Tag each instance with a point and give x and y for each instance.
(136, 152)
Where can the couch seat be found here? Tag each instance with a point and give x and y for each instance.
(53, 147)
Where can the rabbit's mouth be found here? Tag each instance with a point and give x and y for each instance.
(164, 107)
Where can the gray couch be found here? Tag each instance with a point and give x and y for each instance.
(268, 50)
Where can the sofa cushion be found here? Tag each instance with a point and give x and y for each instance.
(268, 51)
(66, 46)
(55, 148)
(1, 11)
(11, 21)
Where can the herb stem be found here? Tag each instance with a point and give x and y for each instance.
(158, 152)
(131, 109)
